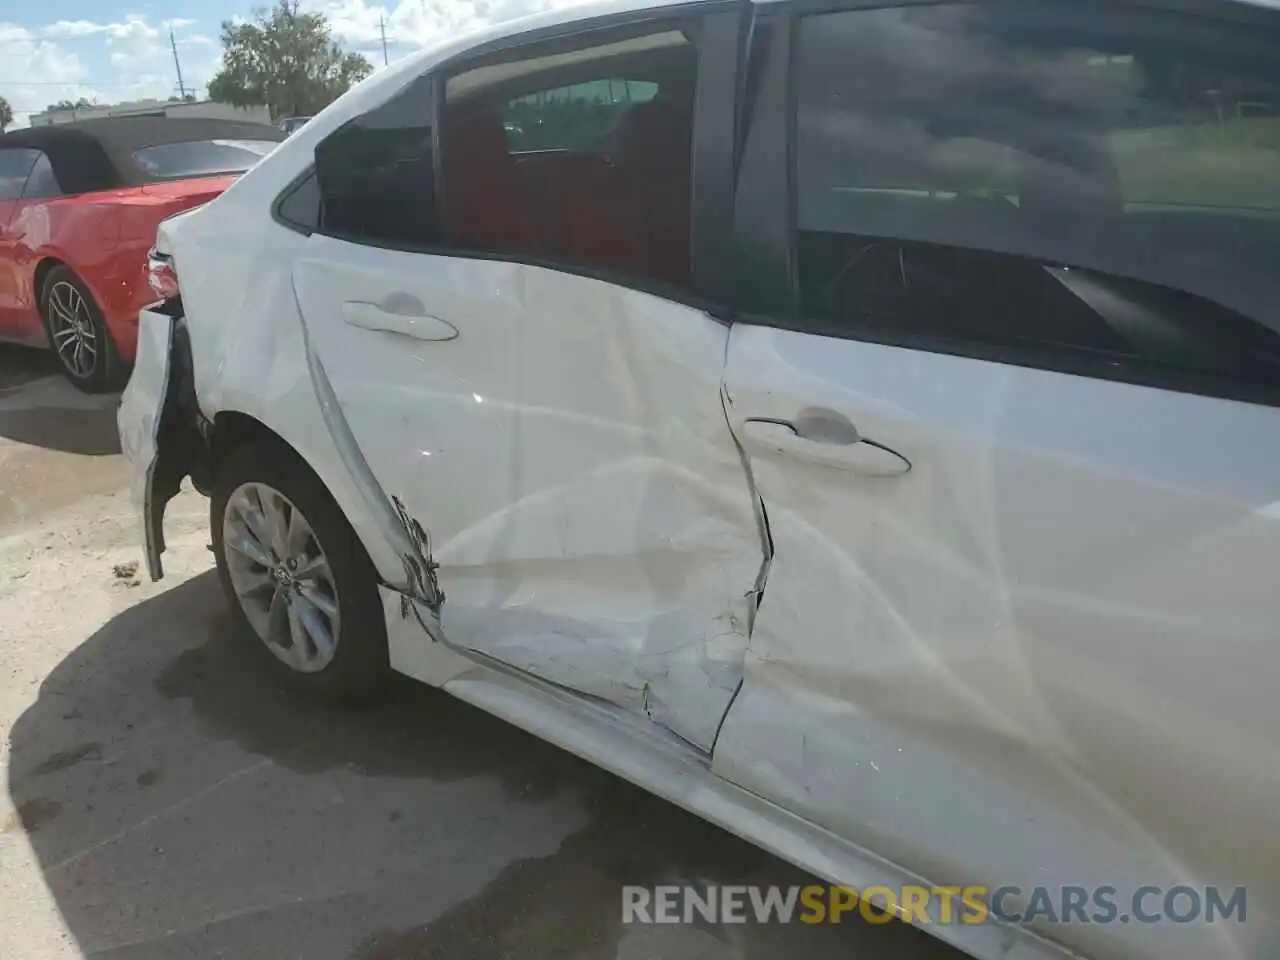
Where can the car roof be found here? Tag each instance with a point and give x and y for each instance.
(379, 86)
(573, 13)
(374, 89)
(97, 154)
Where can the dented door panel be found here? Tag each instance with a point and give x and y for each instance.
(1048, 646)
(567, 457)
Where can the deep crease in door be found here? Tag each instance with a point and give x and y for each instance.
(399, 528)
(601, 532)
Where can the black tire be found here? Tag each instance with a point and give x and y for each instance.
(107, 372)
(359, 667)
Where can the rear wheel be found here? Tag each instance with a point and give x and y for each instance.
(303, 588)
(86, 353)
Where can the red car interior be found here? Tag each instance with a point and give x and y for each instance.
(626, 209)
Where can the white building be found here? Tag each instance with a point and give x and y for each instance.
(153, 108)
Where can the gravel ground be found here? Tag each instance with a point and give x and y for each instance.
(163, 800)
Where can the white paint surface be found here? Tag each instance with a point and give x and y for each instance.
(568, 454)
(1045, 654)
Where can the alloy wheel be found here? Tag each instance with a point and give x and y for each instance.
(281, 577)
(72, 327)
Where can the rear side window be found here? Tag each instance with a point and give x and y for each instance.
(578, 154)
(1073, 180)
(41, 182)
(15, 164)
(376, 174)
(201, 158)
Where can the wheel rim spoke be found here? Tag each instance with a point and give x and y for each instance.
(250, 511)
(298, 539)
(313, 566)
(246, 542)
(61, 299)
(314, 624)
(277, 516)
(300, 644)
(278, 614)
(324, 603)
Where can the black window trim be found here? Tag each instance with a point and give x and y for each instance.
(719, 61)
(769, 196)
(761, 227)
(1241, 11)
(514, 47)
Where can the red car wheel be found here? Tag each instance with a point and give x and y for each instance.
(86, 353)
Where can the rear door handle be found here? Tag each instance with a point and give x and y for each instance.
(850, 451)
(398, 313)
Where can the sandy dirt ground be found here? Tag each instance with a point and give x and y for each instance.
(161, 799)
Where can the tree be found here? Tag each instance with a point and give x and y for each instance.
(285, 59)
(6, 114)
(70, 104)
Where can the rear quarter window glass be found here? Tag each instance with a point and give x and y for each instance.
(15, 164)
(201, 158)
(300, 206)
(41, 183)
(376, 174)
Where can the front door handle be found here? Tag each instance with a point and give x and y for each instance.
(849, 451)
(400, 314)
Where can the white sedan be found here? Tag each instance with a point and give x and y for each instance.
(856, 423)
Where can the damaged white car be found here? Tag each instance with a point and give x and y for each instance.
(855, 423)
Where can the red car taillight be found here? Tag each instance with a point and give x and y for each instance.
(161, 276)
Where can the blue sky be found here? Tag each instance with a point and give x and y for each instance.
(116, 50)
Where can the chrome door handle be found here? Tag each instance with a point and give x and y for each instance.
(398, 314)
(850, 452)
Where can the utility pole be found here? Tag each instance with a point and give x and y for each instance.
(173, 44)
(382, 25)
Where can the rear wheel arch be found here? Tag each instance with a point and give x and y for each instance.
(43, 269)
(232, 431)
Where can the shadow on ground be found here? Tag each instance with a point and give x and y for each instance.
(40, 408)
(181, 805)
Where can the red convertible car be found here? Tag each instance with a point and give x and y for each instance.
(79, 207)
